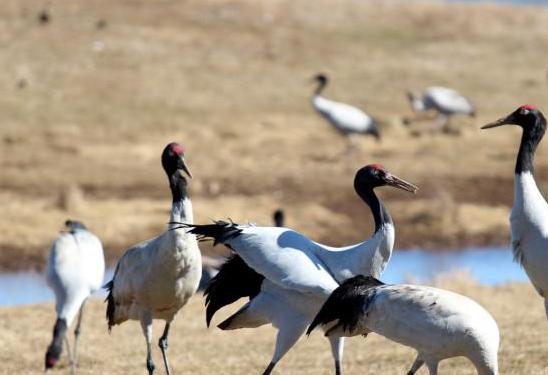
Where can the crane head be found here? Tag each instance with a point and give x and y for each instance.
(173, 159)
(375, 175)
(526, 116)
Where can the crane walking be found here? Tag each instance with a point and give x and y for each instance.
(444, 101)
(75, 269)
(438, 323)
(345, 119)
(287, 276)
(529, 215)
(156, 278)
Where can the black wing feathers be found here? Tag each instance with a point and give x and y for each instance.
(111, 305)
(234, 281)
(235, 278)
(347, 303)
(220, 231)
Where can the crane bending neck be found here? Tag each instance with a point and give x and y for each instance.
(379, 211)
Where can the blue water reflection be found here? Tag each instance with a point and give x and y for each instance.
(489, 266)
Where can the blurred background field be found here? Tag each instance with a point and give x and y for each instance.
(87, 110)
(90, 98)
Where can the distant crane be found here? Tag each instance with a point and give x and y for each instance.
(439, 324)
(44, 16)
(75, 269)
(529, 216)
(278, 217)
(287, 276)
(444, 101)
(156, 278)
(346, 119)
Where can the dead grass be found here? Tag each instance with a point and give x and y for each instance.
(229, 79)
(194, 349)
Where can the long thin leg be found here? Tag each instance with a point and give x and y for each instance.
(546, 307)
(337, 347)
(76, 336)
(69, 352)
(163, 346)
(442, 121)
(287, 336)
(146, 325)
(416, 365)
(432, 367)
(352, 145)
(269, 368)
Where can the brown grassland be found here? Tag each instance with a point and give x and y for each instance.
(195, 350)
(86, 112)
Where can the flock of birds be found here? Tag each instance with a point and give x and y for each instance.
(297, 284)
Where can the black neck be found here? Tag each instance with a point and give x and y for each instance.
(178, 185)
(56, 347)
(321, 86)
(530, 139)
(380, 214)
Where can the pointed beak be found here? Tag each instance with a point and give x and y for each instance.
(399, 183)
(501, 121)
(185, 168)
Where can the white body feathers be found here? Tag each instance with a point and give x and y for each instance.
(438, 323)
(299, 277)
(443, 100)
(75, 269)
(157, 277)
(529, 229)
(291, 261)
(344, 118)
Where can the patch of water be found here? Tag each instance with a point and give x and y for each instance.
(488, 266)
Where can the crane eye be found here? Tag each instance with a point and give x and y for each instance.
(524, 111)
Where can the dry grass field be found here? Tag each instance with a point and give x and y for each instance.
(194, 349)
(86, 112)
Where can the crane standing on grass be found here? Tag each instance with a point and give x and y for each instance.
(439, 324)
(444, 101)
(75, 269)
(156, 278)
(529, 216)
(287, 276)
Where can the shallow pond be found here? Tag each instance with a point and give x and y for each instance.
(489, 266)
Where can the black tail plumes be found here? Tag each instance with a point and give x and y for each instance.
(56, 347)
(234, 281)
(110, 304)
(347, 304)
(235, 278)
(220, 231)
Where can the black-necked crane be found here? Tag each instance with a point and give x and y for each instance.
(444, 101)
(287, 276)
(156, 278)
(346, 119)
(438, 323)
(75, 269)
(529, 216)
